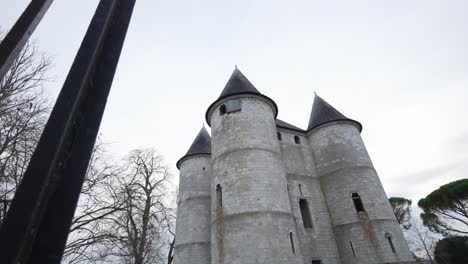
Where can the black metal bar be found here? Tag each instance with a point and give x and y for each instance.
(36, 227)
(19, 34)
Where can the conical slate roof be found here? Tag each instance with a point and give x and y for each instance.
(323, 112)
(237, 84)
(281, 123)
(201, 145)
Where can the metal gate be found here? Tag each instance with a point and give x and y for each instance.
(36, 227)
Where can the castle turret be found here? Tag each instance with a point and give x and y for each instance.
(365, 227)
(193, 226)
(251, 214)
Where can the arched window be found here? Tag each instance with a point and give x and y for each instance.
(292, 241)
(305, 212)
(297, 139)
(222, 110)
(390, 242)
(357, 202)
(279, 136)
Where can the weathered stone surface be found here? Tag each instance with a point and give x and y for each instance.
(193, 232)
(244, 206)
(256, 218)
(344, 167)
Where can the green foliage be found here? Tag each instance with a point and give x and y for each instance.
(445, 210)
(402, 209)
(452, 250)
(447, 196)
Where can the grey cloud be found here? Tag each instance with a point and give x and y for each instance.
(423, 182)
(431, 173)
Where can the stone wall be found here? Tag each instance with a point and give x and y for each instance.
(318, 242)
(253, 222)
(193, 232)
(345, 168)
(241, 204)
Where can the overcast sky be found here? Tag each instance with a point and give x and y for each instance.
(398, 67)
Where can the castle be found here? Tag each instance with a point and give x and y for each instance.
(261, 190)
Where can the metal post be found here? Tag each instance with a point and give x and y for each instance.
(36, 227)
(19, 34)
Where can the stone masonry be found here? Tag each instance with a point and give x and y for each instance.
(260, 190)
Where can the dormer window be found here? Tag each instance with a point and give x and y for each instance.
(222, 110)
(230, 106)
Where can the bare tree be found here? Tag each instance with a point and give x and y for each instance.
(123, 214)
(23, 114)
(96, 211)
(422, 241)
(170, 254)
(147, 218)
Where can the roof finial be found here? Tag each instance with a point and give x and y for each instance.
(235, 66)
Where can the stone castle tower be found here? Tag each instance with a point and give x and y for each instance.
(264, 191)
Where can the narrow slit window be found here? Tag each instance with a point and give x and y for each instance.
(357, 202)
(219, 196)
(292, 241)
(300, 188)
(390, 242)
(352, 248)
(305, 212)
(297, 139)
(222, 110)
(279, 136)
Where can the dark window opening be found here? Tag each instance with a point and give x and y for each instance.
(357, 202)
(300, 189)
(203, 168)
(352, 248)
(297, 139)
(230, 106)
(305, 212)
(316, 261)
(222, 110)
(292, 241)
(390, 242)
(219, 196)
(279, 136)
